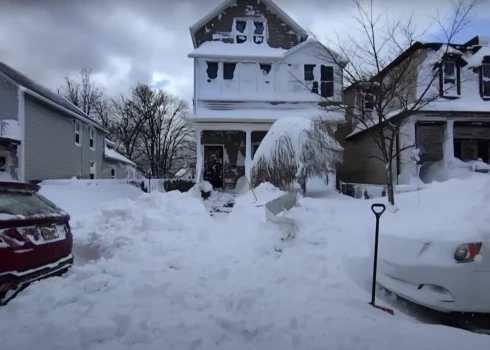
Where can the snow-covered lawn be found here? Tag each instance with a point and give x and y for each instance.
(165, 275)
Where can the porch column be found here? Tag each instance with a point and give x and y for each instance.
(248, 154)
(449, 143)
(199, 159)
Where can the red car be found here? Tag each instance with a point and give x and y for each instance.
(35, 238)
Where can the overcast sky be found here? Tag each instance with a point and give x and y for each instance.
(146, 41)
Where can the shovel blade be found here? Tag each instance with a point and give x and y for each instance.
(385, 309)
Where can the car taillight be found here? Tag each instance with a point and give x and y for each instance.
(467, 252)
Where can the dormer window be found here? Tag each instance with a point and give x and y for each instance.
(249, 30)
(450, 79)
(485, 80)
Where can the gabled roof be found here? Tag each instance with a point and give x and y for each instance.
(227, 3)
(37, 89)
(315, 42)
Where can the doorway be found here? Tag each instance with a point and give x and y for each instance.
(214, 165)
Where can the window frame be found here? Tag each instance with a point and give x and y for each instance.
(326, 81)
(91, 142)
(484, 94)
(249, 30)
(78, 133)
(94, 172)
(457, 79)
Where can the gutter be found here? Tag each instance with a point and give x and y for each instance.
(54, 104)
(21, 118)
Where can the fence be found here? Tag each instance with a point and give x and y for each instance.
(146, 185)
(369, 191)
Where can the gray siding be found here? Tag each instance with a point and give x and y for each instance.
(107, 165)
(8, 99)
(50, 149)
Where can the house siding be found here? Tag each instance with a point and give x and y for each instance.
(281, 35)
(8, 99)
(359, 166)
(108, 165)
(50, 150)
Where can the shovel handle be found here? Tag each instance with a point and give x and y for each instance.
(378, 209)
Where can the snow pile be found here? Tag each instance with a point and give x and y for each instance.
(220, 49)
(166, 273)
(10, 129)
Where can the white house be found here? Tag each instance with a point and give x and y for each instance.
(253, 65)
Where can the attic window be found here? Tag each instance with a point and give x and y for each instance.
(212, 70)
(265, 68)
(228, 70)
(259, 30)
(485, 80)
(326, 81)
(240, 30)
(309, 76)
(450, 78)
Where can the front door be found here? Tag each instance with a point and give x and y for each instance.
(213, 165)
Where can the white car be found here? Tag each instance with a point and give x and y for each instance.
(448, 276)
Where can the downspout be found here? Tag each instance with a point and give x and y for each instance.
(22, 125)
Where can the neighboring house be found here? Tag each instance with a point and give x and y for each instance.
(55, 140)
(115, 165)
(453, 126)
(253, 65)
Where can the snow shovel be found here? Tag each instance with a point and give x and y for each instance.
(378, 210)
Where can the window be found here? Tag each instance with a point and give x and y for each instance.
(368, 101)
(92, 170)
(249, 29)
(326, 81)
(228, 70)
(78, 134)
(485, 80)
(240, 31)
(265, 68)
(113, 173)
(212, 70)
(449, 78)
(309, 75)
(259, 31)
(92, 138)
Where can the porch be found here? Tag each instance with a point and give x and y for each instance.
(225, 151)
(447, 143)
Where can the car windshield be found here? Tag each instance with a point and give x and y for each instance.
(25, 203)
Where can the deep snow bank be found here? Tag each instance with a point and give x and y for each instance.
(170, 277)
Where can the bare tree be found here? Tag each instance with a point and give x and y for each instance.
(165, 135)
(151, 129)
(82, 92)
(386, 87)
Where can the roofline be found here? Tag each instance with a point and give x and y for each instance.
(313, 41)
(12, 81)
(231, 57)
(225, 4)
(54, 104)
(414, 47)
(119, 160)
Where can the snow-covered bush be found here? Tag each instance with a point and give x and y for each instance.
(294, 150)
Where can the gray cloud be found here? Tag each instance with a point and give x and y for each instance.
(125, 41)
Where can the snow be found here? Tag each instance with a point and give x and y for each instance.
(156, 269)
(112, 154)
(10, 129)
(247, 49)
(205, 186)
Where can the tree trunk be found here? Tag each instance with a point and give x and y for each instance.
(389, 183)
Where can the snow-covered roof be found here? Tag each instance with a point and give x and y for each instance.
(250, 50)
(227, 3)
(219, 49)
(113, 155)
(109, 142)
(10, 129)
(40, 92)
